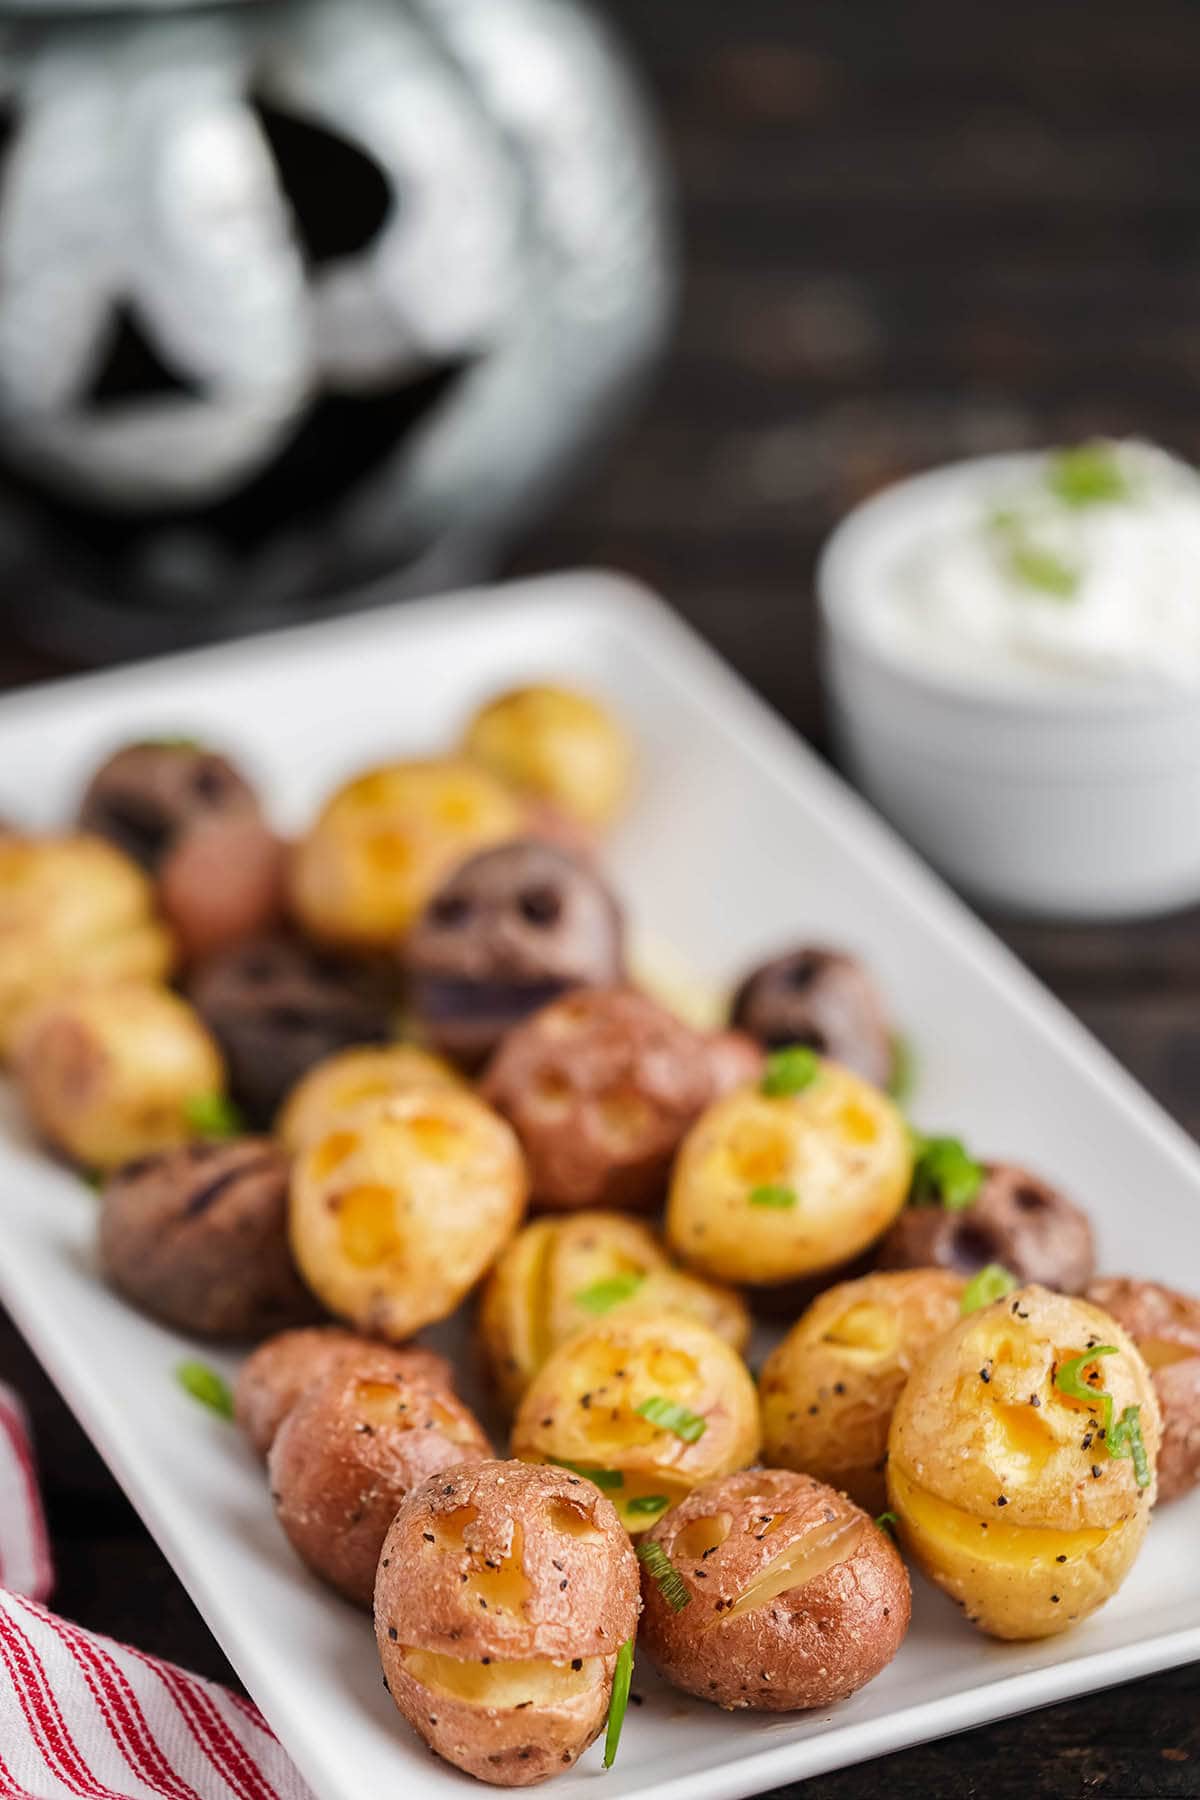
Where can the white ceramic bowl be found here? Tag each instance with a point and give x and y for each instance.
(1074, 801)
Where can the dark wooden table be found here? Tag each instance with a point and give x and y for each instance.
(911, 232)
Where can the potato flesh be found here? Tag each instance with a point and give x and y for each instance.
(506, 1684)
(801, 1563)
(942, 1529)
(498, 1584)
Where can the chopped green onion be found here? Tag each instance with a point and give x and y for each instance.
(602, 1296)
(648, 1503)
(790, 1071)
(603, 1478)
(1037, 567)
(773, 1193)
(672, 1417)
(1089, 475)
(1068, 1380)
(664, 1574)
(888, 1521)
(992, 1282)
(1125, 1439)
(903, 1078)
(206, 1386)
(213, 1116)
(95, 1178)
(944, 1174)
(618, 1701)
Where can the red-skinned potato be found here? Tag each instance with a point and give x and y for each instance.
(346, 1455)
(1165, 1326)
(1016, 1219)
(791, 1596)
(270, 1382)
(504, 1593)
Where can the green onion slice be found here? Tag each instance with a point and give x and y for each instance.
(990, 1283)
(647, 1503)
(944, 1174)
(603, 1478)
(672, 1417)
(213, 1116)
(664, 1575)
(618, 1702)
(206, 1386)
(1088, 475)
(790, 1071)
(888, 1521)
(602, 1296)
(776, 1194)
(1125, 1439)
(903, 1078)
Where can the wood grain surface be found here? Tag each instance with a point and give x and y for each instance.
(910, 231)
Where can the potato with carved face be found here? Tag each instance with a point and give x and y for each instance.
(113, 1073)
(347, 1078)
(559, 1275)
(386, 840)
(829, 1389)
(402, 1204)
(648, 1407)
(1021, 1462)
(558, 745)
(789, 1177)
(771, 1591)
(346, 1455)
(273, 1379)
(504, 1595)
(73, 912)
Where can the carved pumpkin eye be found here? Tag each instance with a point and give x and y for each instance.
(541, 905)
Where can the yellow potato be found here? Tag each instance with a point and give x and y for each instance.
(557, 745)
(560, 1274)
(385, 841)
(647, 1407)
(113, 1073)
(401, 1205)
(73, 911)
(769, 1188)
(829, 1389)
(1006, 1493)
(351, 1076)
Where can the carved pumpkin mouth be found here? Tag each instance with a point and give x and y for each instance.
(438, 998)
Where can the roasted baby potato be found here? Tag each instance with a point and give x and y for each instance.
(1016, 1219)
(770, 1590)
(109, 1074)
(1021, 1462)
(402, 1204)
(346, 1454)
(1165, 1326)
(344, 1080)
(503, 1597)
(600, 1086)
(270, 1382)
(772, 1184)
(386, 840)
(73, 912)
(829, 1389)
(555, 744)
(825, 999)
(507, 932)
(198, 1237)
(278, 1006)
(560, 1274)
(193, 822)
(647, 1407)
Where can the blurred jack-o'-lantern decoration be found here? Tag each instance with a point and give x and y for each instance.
(296, 293)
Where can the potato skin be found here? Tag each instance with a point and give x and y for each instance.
(108, 1073)
(1165, 1326)
(824, 998)
(348, 1077)
(1017, 1220)
(346, 1454)
(74, 912)
(197, 1236)
(547, 1552)
(807, 1645)
(840, 1146)
(274, 1376)
(829, 1389)
(981, 1424)
(385, 841)
(600, 1086)
(529, 1304)
(581, 1408)
(558, 745)
(402, 1205)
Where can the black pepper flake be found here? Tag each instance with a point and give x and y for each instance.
(585, 1400)
(429, 1539)
(483, 1602)
(700, 1574)
(1095, 1471)
(1002, 1501)
(449, 1489)
(393, 1633)
(485, 1660)
(1060, 1558)
(812, 1411)
(1054, 1599)
(546, 1423)
(638, 1699)
(985, 1374)
(1035, 1399)
(839, 1387)
(387, 1562)
(711, 1551)
(577, 1663)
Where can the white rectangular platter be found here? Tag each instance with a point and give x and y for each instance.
(740, 840)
